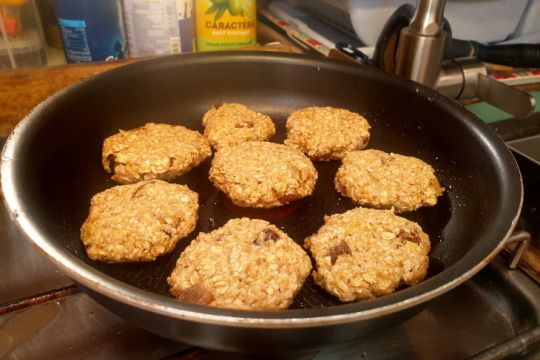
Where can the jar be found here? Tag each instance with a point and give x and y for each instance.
(156, 27)
(225, 24)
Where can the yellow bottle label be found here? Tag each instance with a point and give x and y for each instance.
(225, 24)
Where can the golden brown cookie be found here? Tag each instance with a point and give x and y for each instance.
(231, 124)
(262, 174)
(246, 264)
(154, 151)
(326, 133)
(138, 222)
(366, 253)
(383, 180)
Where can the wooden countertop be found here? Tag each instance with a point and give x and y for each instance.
(22, 90)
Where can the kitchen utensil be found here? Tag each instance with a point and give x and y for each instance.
(51, 166)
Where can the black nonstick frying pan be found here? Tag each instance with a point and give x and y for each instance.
(51, 167)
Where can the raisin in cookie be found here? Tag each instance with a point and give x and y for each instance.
(154, 151)
(326, 133)
(365, 253)
(232, 124)
(383, 180)
(262, 174)
(138, 222)
(246, 264)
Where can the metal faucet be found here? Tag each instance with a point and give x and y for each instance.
(420, 58)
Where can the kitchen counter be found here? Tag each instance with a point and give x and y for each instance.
(22, 90)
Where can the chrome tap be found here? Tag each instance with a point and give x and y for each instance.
(419, 57)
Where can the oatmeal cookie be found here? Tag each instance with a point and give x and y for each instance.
(154, 151)
(262, 174)
(246, 264)
(138, 222)
(232, 124)
(326, 133)
(366, 253)
(383, 180)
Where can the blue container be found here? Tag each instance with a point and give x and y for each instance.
(91, 30)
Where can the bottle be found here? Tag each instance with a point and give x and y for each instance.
(155, 27)
(225, 24)
(22, 44)
(50, 25)
(91, 30)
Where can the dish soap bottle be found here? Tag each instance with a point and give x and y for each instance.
(91, 30)
(225, 24)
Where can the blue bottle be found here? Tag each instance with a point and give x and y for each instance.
(91, 30)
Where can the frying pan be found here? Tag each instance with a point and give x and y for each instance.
(51, 167)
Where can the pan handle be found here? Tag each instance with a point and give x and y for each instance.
(522, 239)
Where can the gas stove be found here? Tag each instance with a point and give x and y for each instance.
(493, 315)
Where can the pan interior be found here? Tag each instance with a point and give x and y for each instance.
(59, 165)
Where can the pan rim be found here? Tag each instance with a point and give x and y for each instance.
(127, 294)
